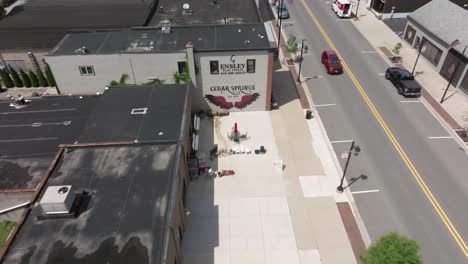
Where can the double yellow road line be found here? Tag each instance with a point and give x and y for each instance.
(435, 204)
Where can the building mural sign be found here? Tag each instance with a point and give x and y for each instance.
(232, 96)
(234, 82)
(232, 67)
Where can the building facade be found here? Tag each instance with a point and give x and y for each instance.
(230, 66)
(432, 29)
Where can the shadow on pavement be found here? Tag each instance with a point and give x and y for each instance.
(283, 87)
(202, 235)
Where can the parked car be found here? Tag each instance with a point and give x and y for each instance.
(331, 62)
(283, 11)
(403, 81)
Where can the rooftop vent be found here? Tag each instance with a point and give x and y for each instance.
(139, 111)
(82, 50)
(57, 200)
(166, 30)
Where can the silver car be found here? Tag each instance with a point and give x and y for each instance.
(283, 12)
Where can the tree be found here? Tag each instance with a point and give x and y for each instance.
(16, 79)
(393, 248)
(42, 79)
(25, 78)
(6, 79)
(292, 44)
(122, 81)
(34, 80)
(2, 11)
(397, 48)
(1, 85)
(50, 76)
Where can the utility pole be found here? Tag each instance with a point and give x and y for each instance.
(453, 75)
(356, 149)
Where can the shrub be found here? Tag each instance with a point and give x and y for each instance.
(34, 80)
(2, 11)
(393, 248)
(35, 94)
(122, 80)
(16, 79)
(292, 44)
(176, 78)
(42, 79)
(397, 48)
(25, 78)
(6, 79)
(49, 76)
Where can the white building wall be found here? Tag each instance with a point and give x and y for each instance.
(226, 84)
(139, 67)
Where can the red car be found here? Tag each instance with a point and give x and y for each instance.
(331, 62)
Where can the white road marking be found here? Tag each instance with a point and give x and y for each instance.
(443, 137)
(381, 74)
(341, 141)
(369, 191)
(28, 139)
(39, 111)
(319, 105)
(39, 124)
(368, 51)
(410, 101)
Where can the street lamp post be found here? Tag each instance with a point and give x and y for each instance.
(280, 20)
(419, 53)
(453, 75)
(357, 8)
(300, 63)
(356, 150)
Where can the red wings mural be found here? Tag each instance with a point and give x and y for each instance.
(221, 102)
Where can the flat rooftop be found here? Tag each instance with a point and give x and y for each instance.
(208, 12)
(40, 25)
(30, 136)
(204, 38)
(158, 114)
(125, 219)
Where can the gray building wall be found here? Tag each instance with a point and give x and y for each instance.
(226, 83)
(401, 8)
(420, 33)
(139, 67)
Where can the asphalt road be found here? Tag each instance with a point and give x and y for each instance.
(391, 198)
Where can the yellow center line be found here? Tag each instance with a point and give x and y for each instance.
(422, 184)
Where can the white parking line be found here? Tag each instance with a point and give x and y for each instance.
(443, 137)
(319, 105)
(341, 141)
(381, 74)
(39, 111)
(410, 101)
(369, 191)
(28, 139)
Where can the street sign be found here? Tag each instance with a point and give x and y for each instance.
(344, 155)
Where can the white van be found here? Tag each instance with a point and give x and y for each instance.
(342, 8)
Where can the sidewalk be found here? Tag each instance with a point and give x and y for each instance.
(454, 110)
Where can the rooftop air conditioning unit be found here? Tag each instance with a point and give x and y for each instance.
(166, 30)
(57, 200)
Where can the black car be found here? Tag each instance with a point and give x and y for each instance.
(403, 81)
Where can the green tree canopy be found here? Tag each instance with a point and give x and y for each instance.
(42, 80)
(6, 79)
(25, 78)
(15, 77)
(34, 80)
(393, 248)
(49, 76)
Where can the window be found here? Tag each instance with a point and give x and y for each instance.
(214, 67)
(182, 65)
(431, 52)
(86, 70)
(250, 66)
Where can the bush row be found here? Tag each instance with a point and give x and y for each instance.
(11, 78)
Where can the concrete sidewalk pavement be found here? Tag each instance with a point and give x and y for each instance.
(454, 109)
